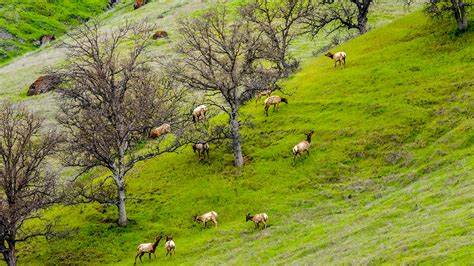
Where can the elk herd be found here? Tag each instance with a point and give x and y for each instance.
(204, 219)
(199, 114)
(202, 149)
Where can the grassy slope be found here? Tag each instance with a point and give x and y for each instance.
(27, 21)
(389, 178)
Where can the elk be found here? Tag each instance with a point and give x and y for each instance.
(170, 246)
(257, 219)
(147, 248)
(337, 57)
(259, 95)
(161, 130)
(275, 101)
(202, 149)
(199, 113)
(303, 146)
(207, 217)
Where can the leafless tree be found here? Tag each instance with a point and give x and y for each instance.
(110, 100)
(26, 187)
(335, 15)
(457, 8)
(221, 56)
(279, 22)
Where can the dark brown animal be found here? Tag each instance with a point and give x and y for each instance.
(160, 34)
(43, 84)
(46, 39)
(139, 3)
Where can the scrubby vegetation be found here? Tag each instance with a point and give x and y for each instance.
(22, 23)
(389, 178)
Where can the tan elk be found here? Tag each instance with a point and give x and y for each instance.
(339, 57)
(303, 146)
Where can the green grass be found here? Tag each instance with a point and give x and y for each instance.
(26, 21)
(389, 179)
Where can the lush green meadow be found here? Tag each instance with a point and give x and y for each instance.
(389, 178)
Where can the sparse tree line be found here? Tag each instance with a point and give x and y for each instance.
(112, 99)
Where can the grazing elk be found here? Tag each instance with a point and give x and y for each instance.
(207, 217)
(337, 57)
(257, 219)
(202, 149)
(275, 101)
(199, 113)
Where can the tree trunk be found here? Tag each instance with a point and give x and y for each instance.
(463, 14)
(11, 261)
(122, 212)
(234, 125)
(362, 24)
(9, 254)
(459, 11)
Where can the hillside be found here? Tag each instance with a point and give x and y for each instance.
(23, 23)
(389, 178)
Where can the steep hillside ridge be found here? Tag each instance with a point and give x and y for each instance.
(23, 23)
(16, 76)
(389, 178)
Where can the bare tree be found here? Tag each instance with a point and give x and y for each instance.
(279, 21)
(457, 8)
(110, 100)
(26, 187)
(335, 15)
(220, 56)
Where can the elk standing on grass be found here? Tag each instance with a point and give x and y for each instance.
(170, 246)
(207, 217)
(257, 219)
(259, 95)
(337, 57)
(275, 101)
(202, 148)
(147, 248)
(199, 113)
(303, 146)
